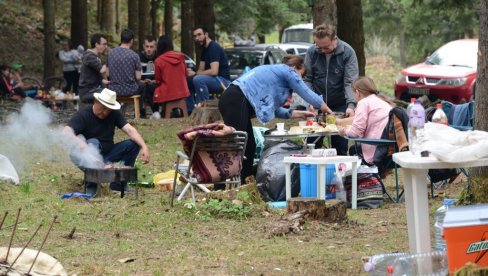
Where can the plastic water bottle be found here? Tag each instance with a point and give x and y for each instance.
(440, 214)
(432, 264)
(439, 115)
(416, 125)
(410, 105)
(340, 190)
(378, 264)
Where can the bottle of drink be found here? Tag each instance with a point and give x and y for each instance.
(416, 125)
(440, 214)
(439, 115)
(431, 263)
(340, 190)
(378, 264)
(410, 105)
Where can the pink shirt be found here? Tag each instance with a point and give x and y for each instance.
(371, 117)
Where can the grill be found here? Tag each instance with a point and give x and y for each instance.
(111, 175)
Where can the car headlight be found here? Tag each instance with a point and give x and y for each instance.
(452, 82)
(401, 78)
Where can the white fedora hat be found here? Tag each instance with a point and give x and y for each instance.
(108, 98)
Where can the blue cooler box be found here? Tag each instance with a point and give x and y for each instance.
(308, 181)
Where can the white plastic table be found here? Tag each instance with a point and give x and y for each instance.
(321, 173)
(415, 170)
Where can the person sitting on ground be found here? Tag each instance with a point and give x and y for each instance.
(124, 68)
(93, 75)
(370, 118)
(261, 93)
(7, 89)
(170, 74)
(96, 124)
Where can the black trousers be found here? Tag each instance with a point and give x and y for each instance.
(237, 112)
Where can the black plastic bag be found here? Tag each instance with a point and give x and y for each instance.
(270, 176)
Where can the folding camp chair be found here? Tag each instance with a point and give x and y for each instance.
(386, 146)
(216, 159)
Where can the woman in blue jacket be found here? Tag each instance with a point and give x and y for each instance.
(261, 93)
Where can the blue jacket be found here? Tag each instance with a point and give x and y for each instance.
(267, 88)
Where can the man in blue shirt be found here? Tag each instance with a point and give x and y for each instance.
(213, 70)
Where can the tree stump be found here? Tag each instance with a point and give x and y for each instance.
(318, 209)
(207, 113)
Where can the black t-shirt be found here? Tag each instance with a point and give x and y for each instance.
(216, 53)
(85, 122)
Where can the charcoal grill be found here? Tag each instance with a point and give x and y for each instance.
(107, 175)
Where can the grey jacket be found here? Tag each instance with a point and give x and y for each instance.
(333, 80)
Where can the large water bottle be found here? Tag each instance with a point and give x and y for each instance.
(440, 214)
(378, 264)
(416, 125)
(410, 105)
(431, 263)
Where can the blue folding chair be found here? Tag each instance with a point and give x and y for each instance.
(386, 146)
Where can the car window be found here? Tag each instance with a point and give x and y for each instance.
(239, 60)
(455, 54)
(290, 51)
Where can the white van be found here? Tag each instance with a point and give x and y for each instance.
(298, 33)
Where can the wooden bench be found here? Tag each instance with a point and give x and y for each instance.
(130, 100)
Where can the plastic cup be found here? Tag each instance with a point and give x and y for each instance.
(280, 127)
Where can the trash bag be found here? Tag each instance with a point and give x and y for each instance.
(7, 170)
(270, 176)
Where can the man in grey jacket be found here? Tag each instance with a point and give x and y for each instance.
(331, 68)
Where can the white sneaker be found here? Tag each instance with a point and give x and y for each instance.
(156, 115)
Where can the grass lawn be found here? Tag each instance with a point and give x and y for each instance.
(160, 240)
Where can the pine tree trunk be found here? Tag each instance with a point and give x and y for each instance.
(108, 18)
(324, 12)
(49, 38)
(133, 24)
(79, 23)
(187, 23)
(350, 28)
(155, 4)
(144, 20)
(117, 17)
(168, 18)
(481, 103)
(204, 16)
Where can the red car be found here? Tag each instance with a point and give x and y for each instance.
(448, 74)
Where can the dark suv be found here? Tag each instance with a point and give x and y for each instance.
(242, 57)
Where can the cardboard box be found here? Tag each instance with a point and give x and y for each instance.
(466, 235)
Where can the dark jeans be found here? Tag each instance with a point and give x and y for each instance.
(200, 87)
(237, 112)
(72, 78)
(125, 151)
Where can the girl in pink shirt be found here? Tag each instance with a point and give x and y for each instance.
(371, 115)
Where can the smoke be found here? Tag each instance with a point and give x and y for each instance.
(28, 137)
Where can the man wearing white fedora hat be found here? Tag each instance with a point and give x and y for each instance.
(94, 127)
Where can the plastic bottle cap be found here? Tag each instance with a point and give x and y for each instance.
(439, 105)
(369, 266)
(389, 269)
(412, 100)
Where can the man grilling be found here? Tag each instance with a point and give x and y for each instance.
(92, 130)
